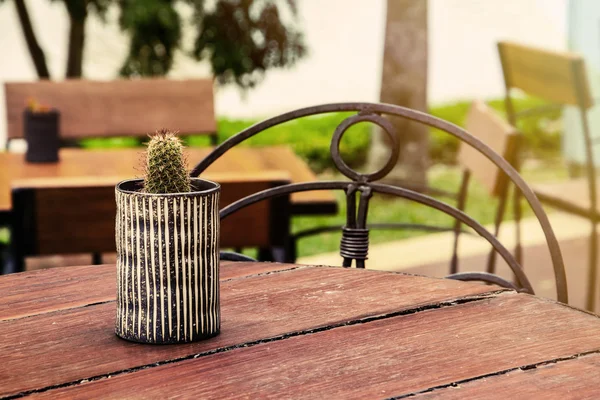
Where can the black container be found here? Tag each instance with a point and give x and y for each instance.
(42, 135)
(167, 263)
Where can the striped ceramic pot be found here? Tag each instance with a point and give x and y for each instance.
(167, 263)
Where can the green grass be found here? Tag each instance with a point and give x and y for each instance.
(4, 235)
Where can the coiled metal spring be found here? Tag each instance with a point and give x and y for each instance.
(355, 243)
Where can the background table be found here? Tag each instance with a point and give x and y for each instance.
(300, 332)
(127, 164)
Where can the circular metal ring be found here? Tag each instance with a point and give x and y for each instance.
(384, 124)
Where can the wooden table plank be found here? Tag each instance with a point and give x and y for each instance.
(80, 343)
(388, 357)
(42, 291)
(576, 378)
(125, 164)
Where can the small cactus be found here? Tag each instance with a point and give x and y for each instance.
(165, 167)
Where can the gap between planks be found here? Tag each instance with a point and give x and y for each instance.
(276, 271)
(497, 373)
(428, 307)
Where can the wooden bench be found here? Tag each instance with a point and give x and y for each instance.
(77, 215)
(117, 108)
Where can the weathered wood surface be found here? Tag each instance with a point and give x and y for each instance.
(395, 355)
(48, 290)
(120, 164)
(300, 332)
(79, 343)
(576, 378)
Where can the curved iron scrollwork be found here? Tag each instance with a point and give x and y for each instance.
(355, 235)
(388, 128)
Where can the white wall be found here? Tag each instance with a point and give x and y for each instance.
(463, 60)
(584, 20)
(345, 40)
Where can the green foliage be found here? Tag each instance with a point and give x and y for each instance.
(241, 39)
(154, 27)
(541, 132)
(165, 167)
(78, 9)
(443, 146)
(310, 137)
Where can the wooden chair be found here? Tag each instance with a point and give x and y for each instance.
(360, 187)
(491, 129)
(486, 125)
(560, 78)
(116, 108)
(77, 215)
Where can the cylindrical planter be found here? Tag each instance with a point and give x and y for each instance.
(167, 263)
(41, 131)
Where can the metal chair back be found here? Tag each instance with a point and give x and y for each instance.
(360, 188)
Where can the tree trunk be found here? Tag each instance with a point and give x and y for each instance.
(404, 83)
(76, 42)
(35, 51)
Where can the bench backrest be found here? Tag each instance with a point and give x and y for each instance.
(116, 108)
(485, 124)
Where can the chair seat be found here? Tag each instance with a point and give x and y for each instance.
(572, 196)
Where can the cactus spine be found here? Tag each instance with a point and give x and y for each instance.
(165, 167)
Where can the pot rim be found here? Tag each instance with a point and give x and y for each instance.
(51, 111)
(215, 188)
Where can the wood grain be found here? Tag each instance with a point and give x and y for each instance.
(72, 220)
(100, 165)
(44, 291)
(559, 77)
(483, 123)
(577, 378)
(118, 107)
(380, 359)
(80, 343)
(253, 226)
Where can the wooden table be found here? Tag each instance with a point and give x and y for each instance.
(126, 164)
(300, 332)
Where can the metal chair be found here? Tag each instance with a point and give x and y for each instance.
(354, 244)
(560, 78)
(489, 127)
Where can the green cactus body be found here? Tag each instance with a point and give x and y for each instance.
(165, 165)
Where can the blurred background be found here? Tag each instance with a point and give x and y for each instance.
(271, 56)
(344, 41)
